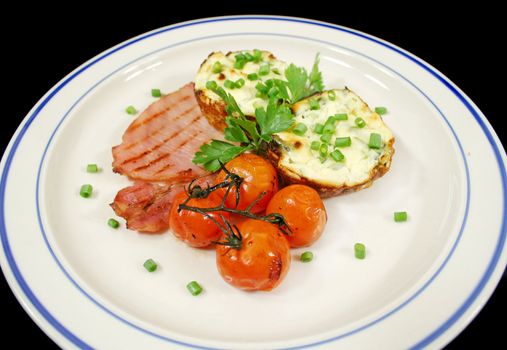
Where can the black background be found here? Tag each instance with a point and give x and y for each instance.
(38, 50)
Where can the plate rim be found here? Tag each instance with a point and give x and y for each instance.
(497, 149)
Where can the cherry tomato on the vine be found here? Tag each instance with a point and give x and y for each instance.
(304, 212)
(261, 262)
(259, 176)
(196, 229)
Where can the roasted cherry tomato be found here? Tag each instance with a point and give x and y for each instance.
(258, 176)
(304, 212)
(262, 260)
(196, 229)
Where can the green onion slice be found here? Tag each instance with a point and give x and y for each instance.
(252, 76)
(239, 83)
(381, 110)
(341, 116)
(343, 142)
(319, 128)
(92, 168)
(375, 140)
(332, 95)
(264, 69)
(150, 265)
(217, 67)
(326, 138)
(86, 191)
(306, 257)
(400, 216)
(315, 145)
(359, 250)
(337, 155)
(360, 122)
(131, 110)
(113, 223)
(194, 288)
(300, 129)
(229, 84)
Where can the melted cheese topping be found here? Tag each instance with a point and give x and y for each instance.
(246, 95)
(360, 159)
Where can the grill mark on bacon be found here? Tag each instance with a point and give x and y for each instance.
(156, 115)
(159, 131)
(157, 146)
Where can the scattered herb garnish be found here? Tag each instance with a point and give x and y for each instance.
(252, 135)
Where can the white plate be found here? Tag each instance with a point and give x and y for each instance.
(421, 283)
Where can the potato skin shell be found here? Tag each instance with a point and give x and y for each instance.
(326, 191)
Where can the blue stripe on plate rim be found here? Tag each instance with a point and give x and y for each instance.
(427, 340)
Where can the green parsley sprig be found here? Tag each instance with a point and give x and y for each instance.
(299, 84)
(250, 135)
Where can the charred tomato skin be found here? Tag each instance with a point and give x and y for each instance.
(259, 176)
(304, 212)
(262, 262)
(195, 229)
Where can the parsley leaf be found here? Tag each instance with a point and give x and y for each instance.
(296, 82)
(276, 118)
(301, 84)
(231, 106)
(211, 154)
(315, 78)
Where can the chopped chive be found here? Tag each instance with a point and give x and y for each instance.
(156, 93)
(319, 128)
(211, 85)
(315, 145)
(329, 126)
(217, 67)
(375, 140)
(92, 168)
(360, 122)
(341, 116)
(239, 83)
(239, 64)
(229, 84)
(332, 95)
(337, 155)
(323, 150)
(381, 110)
(257, 55)
(273, 91)
(326, 138)
(300, 129)
(359, 250)
(248, 57)
(86, 191)
(306, 257)
(343, 142)
(276, 71)
(264, 69)
(194, 288)
(252, 76)
(240, 57)
(400, 216)
(113, 223)
(314, 104)
(131, 110)
(150, 265)
(263, 89)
